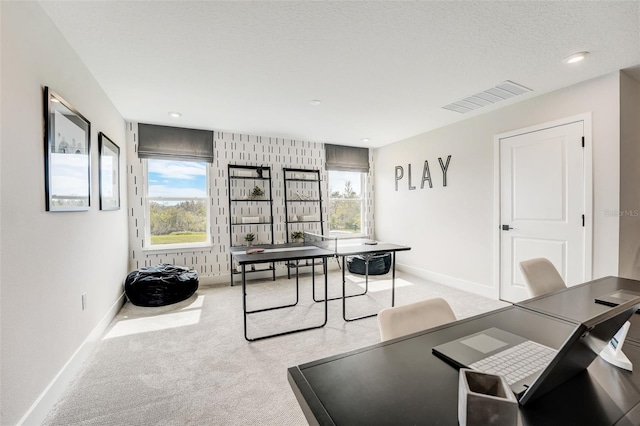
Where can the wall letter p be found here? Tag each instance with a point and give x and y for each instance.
(399, 175)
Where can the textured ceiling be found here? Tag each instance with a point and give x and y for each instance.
(382, 70)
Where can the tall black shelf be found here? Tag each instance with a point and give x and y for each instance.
(302, 199)
(242, 180)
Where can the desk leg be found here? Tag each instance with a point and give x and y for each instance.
(344, 290)
(281, 306)
(298, 281)
(326, 288)
(393, 280)
(244, 305)
(231, 270)
(325, 267)
(244, 299)
(366, 269)
(367, 257)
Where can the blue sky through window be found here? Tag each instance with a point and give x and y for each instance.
(177, 179)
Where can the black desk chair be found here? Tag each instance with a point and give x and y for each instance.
(541, 277)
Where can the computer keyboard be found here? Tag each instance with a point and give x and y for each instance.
(517, 362)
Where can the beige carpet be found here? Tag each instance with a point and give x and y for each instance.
(189, 364)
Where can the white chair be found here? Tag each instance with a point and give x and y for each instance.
(541, 277)
(402, 320)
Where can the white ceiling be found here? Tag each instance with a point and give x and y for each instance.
(382, 69)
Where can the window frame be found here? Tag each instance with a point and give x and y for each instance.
(363, 199)
(147, 214)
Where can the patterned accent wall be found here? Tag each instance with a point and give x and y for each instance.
(230, 148)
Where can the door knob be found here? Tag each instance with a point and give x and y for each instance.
(506, 227)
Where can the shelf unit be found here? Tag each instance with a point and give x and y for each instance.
(248, 213)
(302, 203)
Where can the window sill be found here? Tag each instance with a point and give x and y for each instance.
(172, 248)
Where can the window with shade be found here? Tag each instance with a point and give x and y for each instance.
(347, 172)
(177, 202)
(347, 202)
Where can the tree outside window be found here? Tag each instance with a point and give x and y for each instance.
(346, 202)
(177, 203)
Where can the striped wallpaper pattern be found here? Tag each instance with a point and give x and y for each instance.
(229, 148)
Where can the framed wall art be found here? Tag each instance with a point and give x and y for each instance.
(67, 155)
(109, 173)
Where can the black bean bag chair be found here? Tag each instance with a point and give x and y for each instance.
(160, 285)
(379, 264)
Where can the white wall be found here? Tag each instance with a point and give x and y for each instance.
(629, 177)
(49, 259)
(451, 229)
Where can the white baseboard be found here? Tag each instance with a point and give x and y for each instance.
(460, 284)
(49, 397)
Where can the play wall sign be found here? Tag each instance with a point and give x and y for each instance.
(426, 174)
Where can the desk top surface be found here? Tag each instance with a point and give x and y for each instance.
(401, 382)
(577, 303)
(291, 251)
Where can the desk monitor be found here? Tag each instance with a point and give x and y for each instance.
(574, 356)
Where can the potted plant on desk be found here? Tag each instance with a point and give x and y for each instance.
(249, 238)
(297, 236)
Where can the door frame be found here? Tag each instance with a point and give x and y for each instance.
(588, 192)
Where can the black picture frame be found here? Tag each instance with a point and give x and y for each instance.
(109, 165)
(67, 140)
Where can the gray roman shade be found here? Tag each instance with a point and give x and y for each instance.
(346, 158)
(174, 143)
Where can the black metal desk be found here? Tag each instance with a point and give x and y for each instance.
(358, 247)
(280, 253)
(294, 252)
(577, 303)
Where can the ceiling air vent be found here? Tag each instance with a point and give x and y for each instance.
(502, 91)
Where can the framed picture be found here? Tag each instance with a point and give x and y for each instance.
(109, 173)
(67, 139)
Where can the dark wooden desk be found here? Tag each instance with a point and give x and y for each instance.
(577, 303)
(401, 382)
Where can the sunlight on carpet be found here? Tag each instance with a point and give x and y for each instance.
(190, 315)
(378, 285)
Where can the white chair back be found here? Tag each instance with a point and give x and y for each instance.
(541, 277)
(406, 319)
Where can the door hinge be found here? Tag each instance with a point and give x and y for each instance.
(582, 220)
(583, 141)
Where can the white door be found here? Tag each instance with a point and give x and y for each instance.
(542, 204)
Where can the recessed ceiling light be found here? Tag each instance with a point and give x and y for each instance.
(175, 114)
(315, 102)
(365, 140)
(576, 57)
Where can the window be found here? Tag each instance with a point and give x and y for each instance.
(177, 203)
(347, 202)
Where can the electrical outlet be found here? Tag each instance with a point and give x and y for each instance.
(84, 301)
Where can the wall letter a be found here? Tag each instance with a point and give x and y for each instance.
(426, 175)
